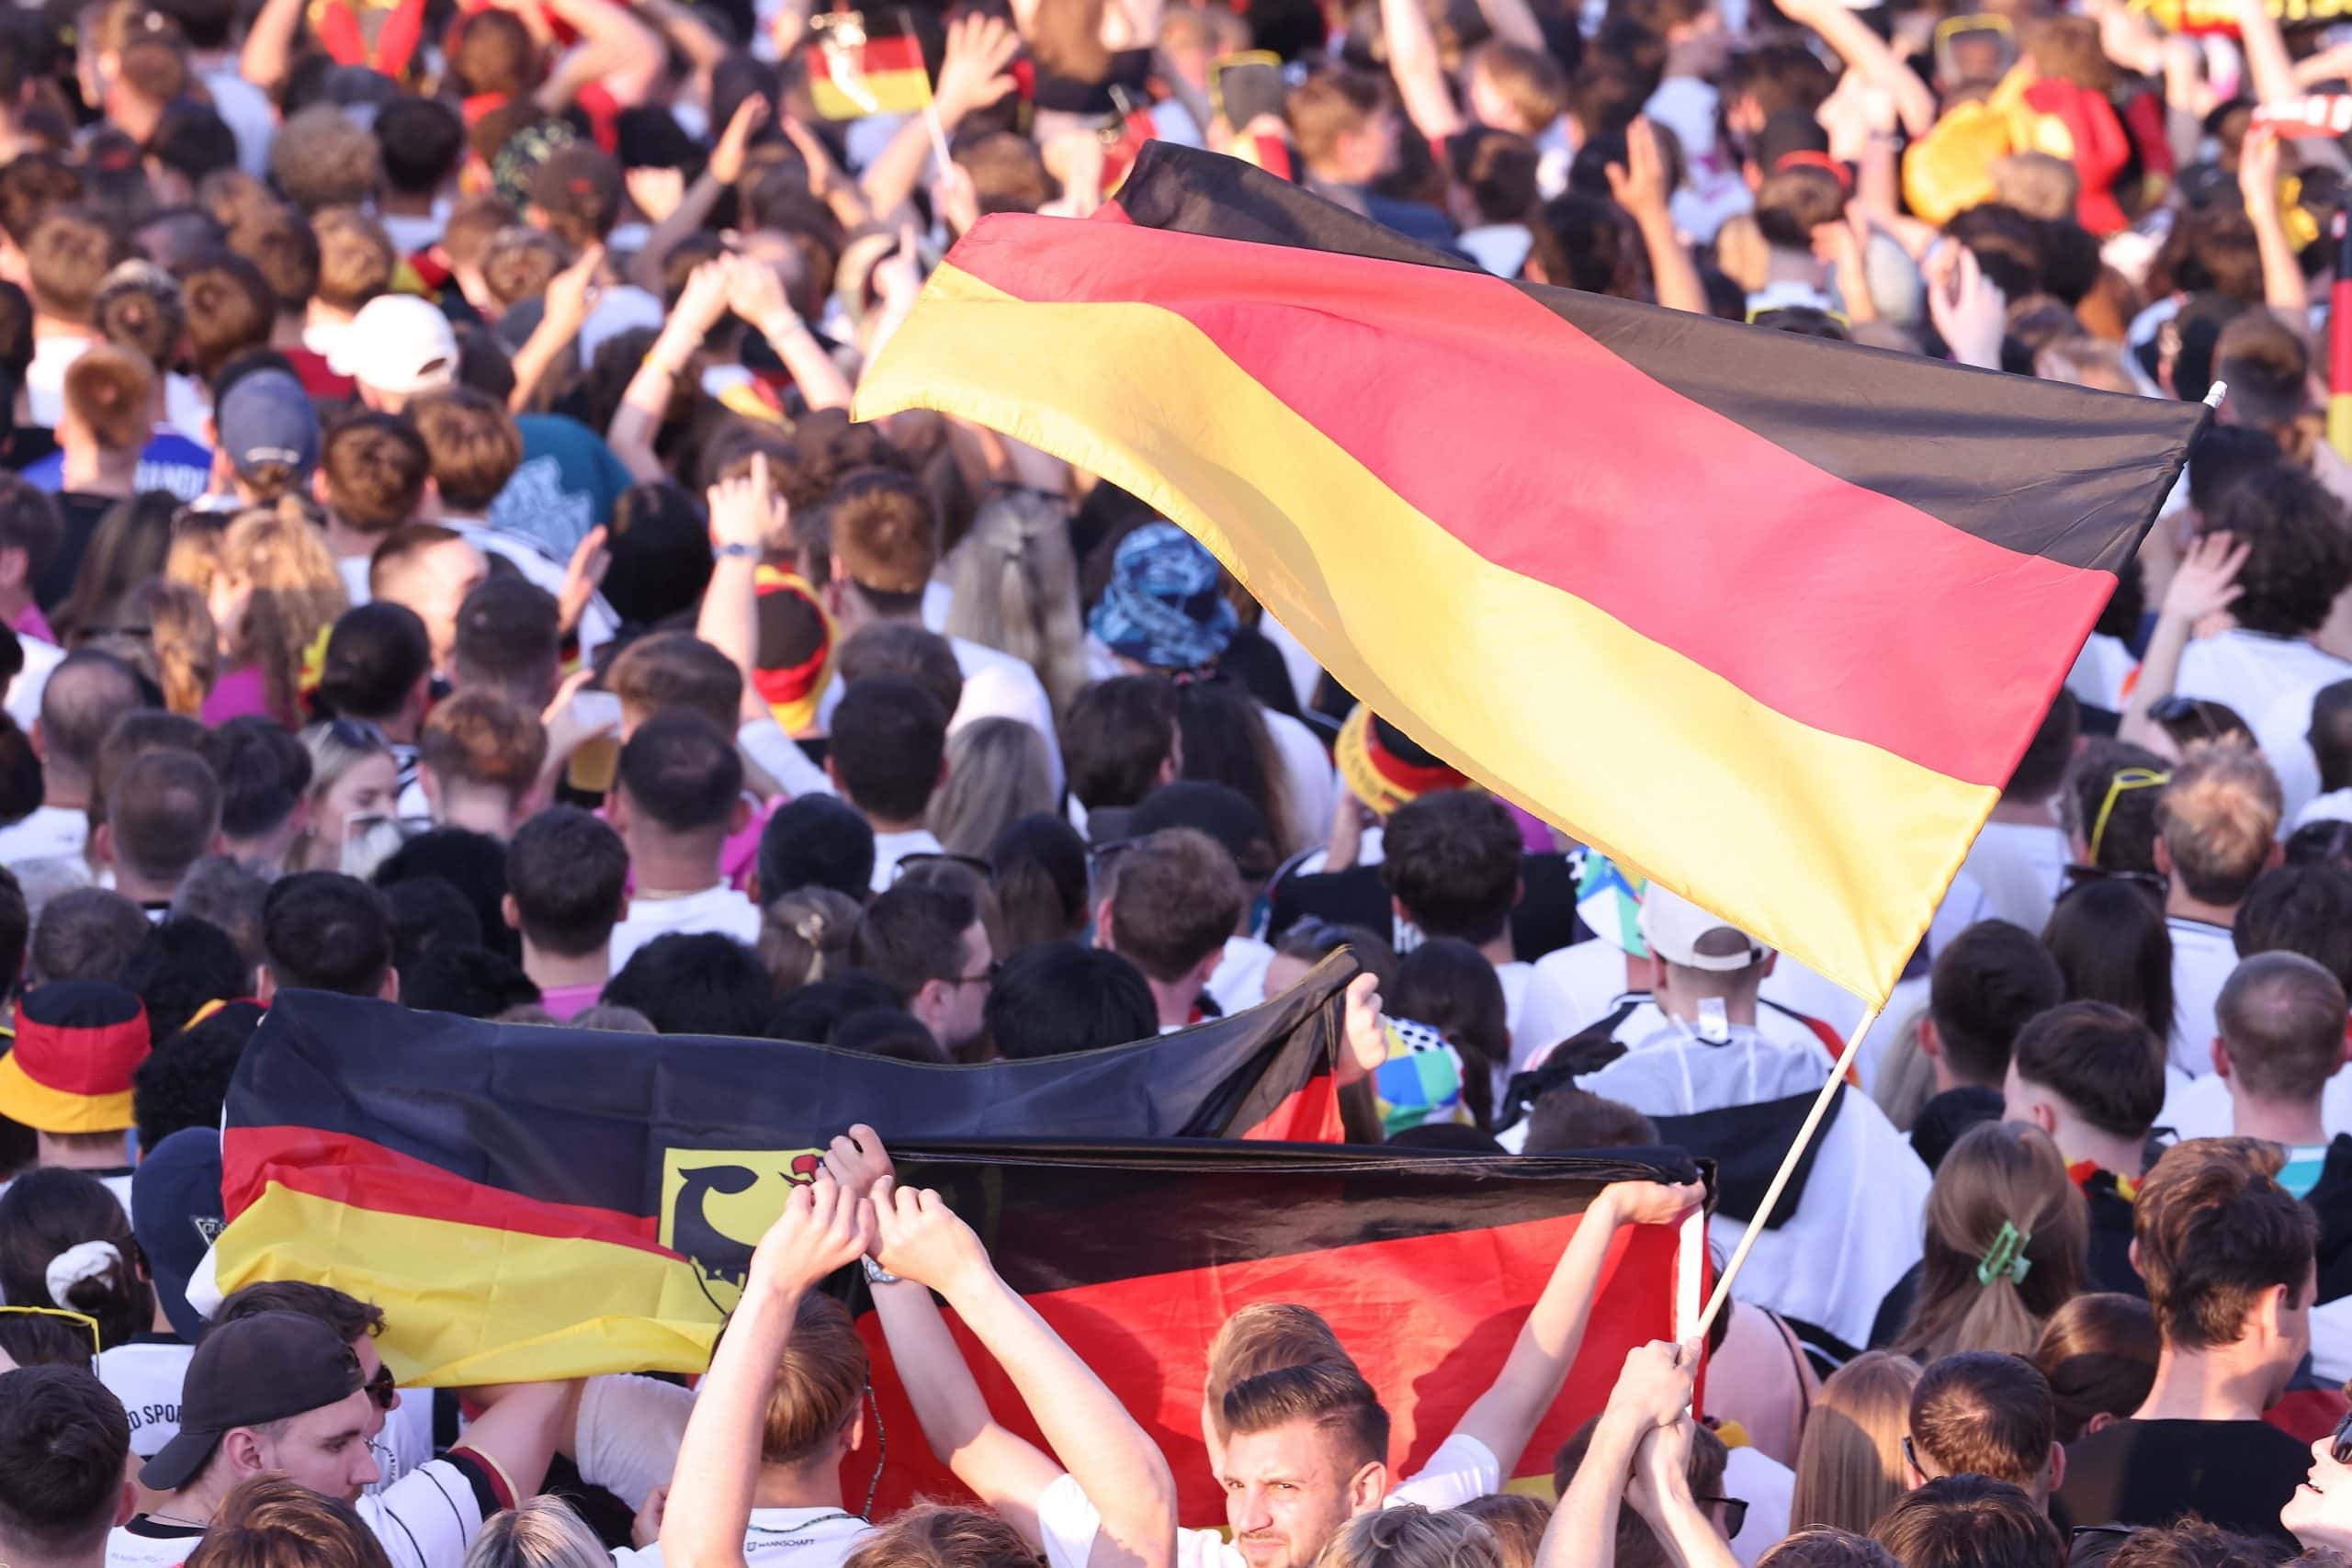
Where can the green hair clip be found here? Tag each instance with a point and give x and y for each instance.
(2006, 1257)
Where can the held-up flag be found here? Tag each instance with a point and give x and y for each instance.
(529, 1202)
(1424, 1264)
(852, 74)
(1767, 619)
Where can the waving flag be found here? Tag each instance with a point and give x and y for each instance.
(529, 1201)
(1425, 1265)
(1767, 619)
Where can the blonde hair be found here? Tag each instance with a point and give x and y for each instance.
(297, 594)
(1998, 1174)
(186, 647)
(999, 771)
(1266, 1336)
(1850, 1462)
(540, 1532)
(930, 1534)
(1015, 587)
(804, 936)
(1410, 1535)
(1907, 1075)
(2219, 817)
(194, 557)
(1518, 1522)
(332, 755)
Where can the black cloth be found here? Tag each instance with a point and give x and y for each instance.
(2110, 1253)
(1895, 1308)
(2332, 1200)
(83, 513)
(1544, 921)
(2236, 1474)
(1130, 70)
(1942, 1120)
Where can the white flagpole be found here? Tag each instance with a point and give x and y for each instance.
(1781, 1178)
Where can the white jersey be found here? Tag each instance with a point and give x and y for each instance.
(1460, 1469)
(427, 1520)
(146, 1375)
(801, 1538)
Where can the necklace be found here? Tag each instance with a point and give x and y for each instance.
(161, 1517)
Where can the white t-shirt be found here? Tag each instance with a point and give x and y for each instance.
(45, 377)
(146, 1375)
(51, 832)
(427, 1520)
(890, 849)
(1577, 986)
(245, 110)
(410, 233)
(2202, 1108)
(2019, 866)
(996, 685)
(2202, 957)
(1313, 784)
(1768, 1487)
(597, 622)
(1238, 982)
(628, 1433)
(781, 758)
(721, 910)
(354, 572)
(23, 701)
(1460, 1469)
(2269, 681)
(804, 1538)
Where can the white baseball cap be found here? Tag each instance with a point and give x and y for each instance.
(397, 343)
(1673, 927)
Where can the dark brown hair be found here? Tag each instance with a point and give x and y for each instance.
(1334, 1399)
(376, 467)
(2213, 1235)
(1174, 900)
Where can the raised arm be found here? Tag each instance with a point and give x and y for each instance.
(755, 293)
(1505, 1417)
(2266, 52)
(972, 75)
(2283, 288)
(1652, 1392)
(1660, 1492)
(646, 401)
(268, 51)
(1639, 184)
(726, 166)
(744, 513)
(1865, 52)
(571, 295)
(821, 1229)
(614, 49)
(1113, 1459)
(1005, 1469)
(1420, 74)
(2205, 584)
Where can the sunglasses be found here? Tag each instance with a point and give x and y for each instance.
(357, 734)
(2084, 875)
(380, 1388)
(2339, 1447)
(1735, 1513)
(973, 863)
(81, 1321)
(2125, 781)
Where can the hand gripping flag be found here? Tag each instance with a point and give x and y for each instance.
(1767, 619)
(1424, 1264)
(529, 1202)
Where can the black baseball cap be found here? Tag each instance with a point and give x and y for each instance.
(263, 1368)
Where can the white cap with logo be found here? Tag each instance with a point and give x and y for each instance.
(1673, 928)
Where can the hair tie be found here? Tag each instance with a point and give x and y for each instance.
(811, 929)
(83, 1260)
(2006, 1257)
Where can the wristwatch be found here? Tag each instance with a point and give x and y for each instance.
(876, 1275)
(726, 551)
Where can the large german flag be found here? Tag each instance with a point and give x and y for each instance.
(1425, 1265)
(529, 1202)
(1768, 618)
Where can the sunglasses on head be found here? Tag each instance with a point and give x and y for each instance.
(79, 1321)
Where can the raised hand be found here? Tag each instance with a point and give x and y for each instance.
(2206, 582)
(918, 1237)
(972, 73)
(857, 1161)
(1639, 184)
(1652, 1203)
(822, 1229)
(735, 141)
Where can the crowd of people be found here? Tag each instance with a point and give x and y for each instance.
(439, 565)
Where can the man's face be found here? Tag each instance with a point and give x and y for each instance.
(1287, 1492)
(970, 993)
(326, 1449)
(437, 580)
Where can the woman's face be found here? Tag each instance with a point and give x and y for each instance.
(366, 789)
(227, 598)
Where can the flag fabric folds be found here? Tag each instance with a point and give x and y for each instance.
(529, 1202)
(1767, 618)
(1424, 1264)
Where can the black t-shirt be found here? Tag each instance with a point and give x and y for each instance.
(83, 513)
(2236, 1474)
(2110, 1208)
